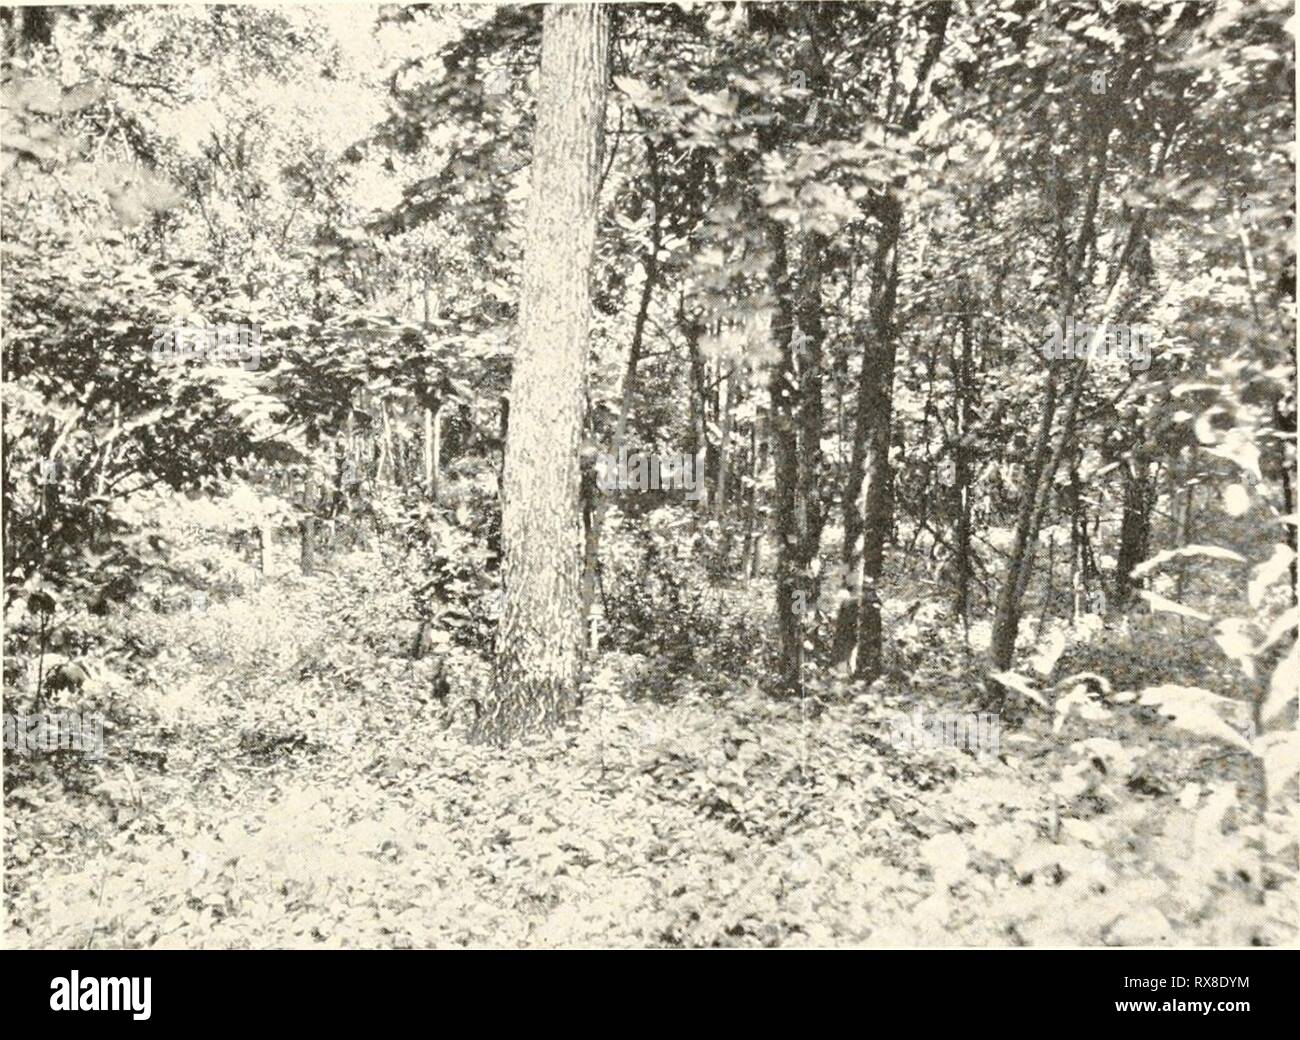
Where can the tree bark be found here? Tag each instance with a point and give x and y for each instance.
(962, 468)
(1134, 528)
(875, 392)
(650, 264)
(540, 641)
(865, 522)
(1041, 471)
(878, 372)
(430, 453)
(782, 390)
(808, 309)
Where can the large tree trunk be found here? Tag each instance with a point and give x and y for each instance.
(540, 641)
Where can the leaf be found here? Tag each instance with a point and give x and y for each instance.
(1213, 551)
(1045, 660)
(1269, 572)
(1281, 754)
(1159, 602)
(946, 855)
(637, 92)
(1140, 928)
(1284, 686)
(1236, 500)
(1079, 698)
(1280, 627)
(1237, 448)
(1231, 638)
(1192, 710)
(1017, 682)
(1083, 831)
(1207, 830)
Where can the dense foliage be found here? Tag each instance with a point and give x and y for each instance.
(832, 242)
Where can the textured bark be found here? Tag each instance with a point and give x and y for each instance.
(431, 452)
(878, 373)
(1045, 459)
(808, 309)
(870, 457)
(1134, 528)
(540, 641)
(600, 502)
(782, 389)
(724, 441)
(962, 467)
(854, 626)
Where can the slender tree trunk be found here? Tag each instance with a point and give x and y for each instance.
(962, 468)
(729, 406)
(1134, 528)
(699, 407)
(808, 309)
(387, 458)
(600, 503)
(749, 550)
(1046, 458)
(783, 390)
(540, 641)
(852, 621)
(430, 453)
(866, 521)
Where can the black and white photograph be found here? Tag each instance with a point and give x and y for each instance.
(650, 476)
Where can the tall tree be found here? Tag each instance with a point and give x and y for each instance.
(540, 640)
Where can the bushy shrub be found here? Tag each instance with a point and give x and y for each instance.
(454, 563)
(661, 602)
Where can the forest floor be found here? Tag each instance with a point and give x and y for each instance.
(279, 776)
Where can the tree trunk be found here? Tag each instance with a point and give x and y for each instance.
(729, 406)
(1134, 529)
(783, 389)
(866, 520)
(540, 641)
(749, 552)
(962, 469)
(699, 408)
(387, 464)
(808, 309)
(1046, 458)
(650, 264)
(307, 546)
(884, 287)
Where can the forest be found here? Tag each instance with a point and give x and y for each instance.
(683, 475)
